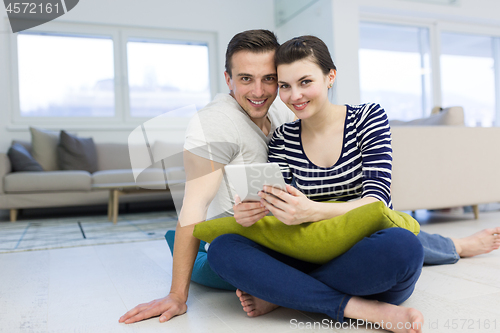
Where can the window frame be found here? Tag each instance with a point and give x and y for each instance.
(496, 55)
(122, 119)
(486, 31)
(160, 35)
(434, 57)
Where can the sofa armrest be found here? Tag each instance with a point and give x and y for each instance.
(5, 168)
(444, 166)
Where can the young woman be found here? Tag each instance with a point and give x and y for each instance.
(332, 152)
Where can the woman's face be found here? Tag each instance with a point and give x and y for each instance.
(303, 87)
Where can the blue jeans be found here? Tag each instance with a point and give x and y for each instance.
(202, 273)
(384, 267)
(438, 250)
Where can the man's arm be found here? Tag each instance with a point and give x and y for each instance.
(203, 181)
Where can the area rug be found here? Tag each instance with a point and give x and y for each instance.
(46, 234)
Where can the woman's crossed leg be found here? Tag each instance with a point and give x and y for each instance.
(367, 282)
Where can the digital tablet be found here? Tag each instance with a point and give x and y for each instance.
(248, 179)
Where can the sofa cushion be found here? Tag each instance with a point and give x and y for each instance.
(113, 176)
(176, 174)
(452, 116)
(49, 181)
(170, 152)
(112, 156)
(44, 148)
(21, 159)
(127, 176)
(76, 153)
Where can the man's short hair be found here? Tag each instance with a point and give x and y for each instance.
(251, 40)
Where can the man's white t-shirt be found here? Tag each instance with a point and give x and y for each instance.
(223, 132)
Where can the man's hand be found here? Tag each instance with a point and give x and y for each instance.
(167, 307)
(248, 213)
(291, 207)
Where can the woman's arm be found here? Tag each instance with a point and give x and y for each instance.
(327, 210)
(374, 141)
(295, 208)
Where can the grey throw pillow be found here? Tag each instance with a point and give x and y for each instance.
(25, 144)
(44, 148)
(76, 153)
(21, 159)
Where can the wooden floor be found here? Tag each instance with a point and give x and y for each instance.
(86, 289)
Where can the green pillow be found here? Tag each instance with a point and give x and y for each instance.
(315, 242)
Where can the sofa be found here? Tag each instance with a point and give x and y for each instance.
(23, 190)
(434, 166)
(445, 166)
(440, 163)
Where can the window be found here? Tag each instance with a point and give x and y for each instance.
(88, 75)
(395, 69)
(166, 76)
(468, 76)
(59, 77)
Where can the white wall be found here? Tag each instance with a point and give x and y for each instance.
(223, 17)
(337, 23)
(328, 20)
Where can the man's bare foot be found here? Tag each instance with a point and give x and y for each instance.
(390, 317)
(481, 242)
(254, 306)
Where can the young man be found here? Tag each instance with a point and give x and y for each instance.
(238, 126)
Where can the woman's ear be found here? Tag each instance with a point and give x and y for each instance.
(332, 75)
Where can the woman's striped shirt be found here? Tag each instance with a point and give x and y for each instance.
(363, 168)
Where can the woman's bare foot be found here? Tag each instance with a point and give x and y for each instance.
(254, 306)
(481, 242)
(390, 317)
(402, 320)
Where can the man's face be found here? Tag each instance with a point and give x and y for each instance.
(254, 81)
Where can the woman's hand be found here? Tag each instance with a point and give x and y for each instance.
(248, 213)
(291, 207)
